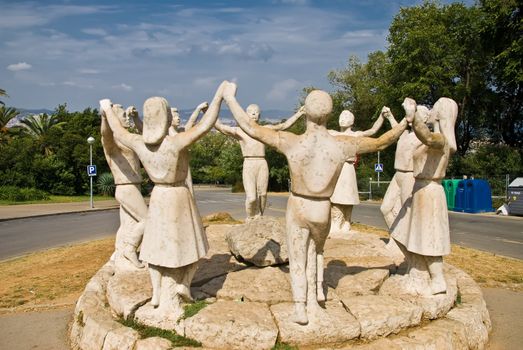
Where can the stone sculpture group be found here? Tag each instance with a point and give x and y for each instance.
(169, 234)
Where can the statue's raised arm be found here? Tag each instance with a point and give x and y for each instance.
(268, 136)
(132, 112)
(121, 134)
(202, 107)
(367, 144)
(208, 120)
(423, 133)
(289, 122)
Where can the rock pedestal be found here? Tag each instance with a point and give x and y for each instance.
(251, 307)
(260, 241)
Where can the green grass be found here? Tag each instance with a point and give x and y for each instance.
(148, 332)
(59, 199)
(284, 346)
(190, 310)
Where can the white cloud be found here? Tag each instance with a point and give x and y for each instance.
(29, 14)
(95, 31)
(281, 90)
(19, 66)
(123, 87)
(77, 85)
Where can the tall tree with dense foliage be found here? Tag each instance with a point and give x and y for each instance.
(6, 115)
(39, 127)
(435, 51)
(2, 93)
(502, 39)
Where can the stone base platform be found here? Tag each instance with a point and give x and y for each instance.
(250, 307)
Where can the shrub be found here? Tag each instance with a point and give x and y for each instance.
(106, 184)
(16, 194)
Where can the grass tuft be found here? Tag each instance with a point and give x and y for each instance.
(148, 332)
(192, 309)
(284, 346)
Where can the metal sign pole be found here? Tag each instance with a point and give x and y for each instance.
(90, 177)
(378, 171)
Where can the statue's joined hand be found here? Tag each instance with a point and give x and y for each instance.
(410, 109)
(105, 104)
(230, 90)
(131, 111)
(203, 106)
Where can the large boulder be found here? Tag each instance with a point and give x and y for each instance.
(260, 241)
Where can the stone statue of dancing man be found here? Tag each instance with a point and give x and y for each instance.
(315, 160)
(255, 173)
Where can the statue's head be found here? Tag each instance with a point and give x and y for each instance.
(175, 117)
(122, 116)
(445, 112)
(156, 120)
(318, 106)
(346, 119)
(423, 114)
(253, 111)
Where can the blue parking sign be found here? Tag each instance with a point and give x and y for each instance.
(91, 170)
(378, 167)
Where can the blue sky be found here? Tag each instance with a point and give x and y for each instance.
(79, 52)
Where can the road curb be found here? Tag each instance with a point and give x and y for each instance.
(59, 213)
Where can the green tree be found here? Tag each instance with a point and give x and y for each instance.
(362, 89)
(3, 93)
(435, 50)
(502, 39)
(6, 115)
(39, 127)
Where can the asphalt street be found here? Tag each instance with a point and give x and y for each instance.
(499, 235)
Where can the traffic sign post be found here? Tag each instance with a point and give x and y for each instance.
(91, 170)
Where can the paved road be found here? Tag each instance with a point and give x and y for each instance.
(502, 236)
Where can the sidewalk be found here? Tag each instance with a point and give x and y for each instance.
(9, 212)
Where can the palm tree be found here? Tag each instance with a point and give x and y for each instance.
(39, 126)
(3, 93)
(6, 114)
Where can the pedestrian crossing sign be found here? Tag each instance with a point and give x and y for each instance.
(378, 167)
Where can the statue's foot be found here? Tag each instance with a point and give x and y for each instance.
(185, 293)
(129, 252)
(155, 300)
(249, 219)
(320, 296)
(345, 227)
(300, 314)
(438, 285)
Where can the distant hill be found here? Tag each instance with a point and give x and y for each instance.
(26, 112)
(269, 115)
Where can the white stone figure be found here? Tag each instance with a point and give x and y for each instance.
(175, 128)
(125, 167)
(315, 160)
(255, 173)
(345, 195)
(396, 199)
(427, 237)
(174, 239)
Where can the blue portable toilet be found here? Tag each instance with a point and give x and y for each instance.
(473, 196)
